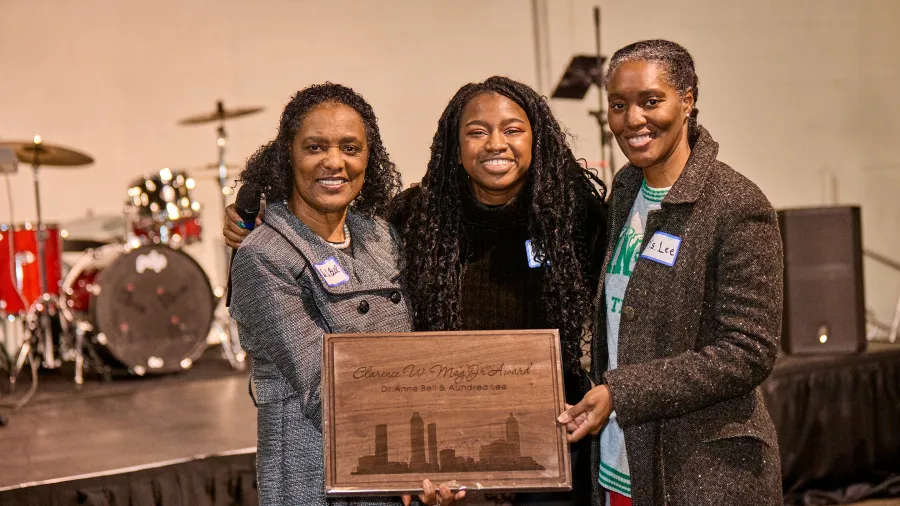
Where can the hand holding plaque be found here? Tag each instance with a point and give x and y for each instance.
(588, 416)
(442, 495)
(392, 417)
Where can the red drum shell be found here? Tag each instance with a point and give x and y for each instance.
(19, 265)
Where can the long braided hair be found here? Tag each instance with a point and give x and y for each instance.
(270, 167)
(434, 246)
(678, 66)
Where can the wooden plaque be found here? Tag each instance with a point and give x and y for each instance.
(479, 408)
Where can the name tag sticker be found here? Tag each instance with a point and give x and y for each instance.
(332, 272)
(663, 248)
(531, 255)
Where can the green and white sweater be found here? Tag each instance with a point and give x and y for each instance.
(614, 475)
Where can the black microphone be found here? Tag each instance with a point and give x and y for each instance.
(246, 203)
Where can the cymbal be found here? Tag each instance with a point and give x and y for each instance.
(70, 245)
(106, 228)
(47, 154)
(220, 114)
(211, 170)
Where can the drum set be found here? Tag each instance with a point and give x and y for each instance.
(134, 299)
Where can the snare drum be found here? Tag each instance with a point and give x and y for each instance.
(20, 279)
(160, 209)
(151, 308)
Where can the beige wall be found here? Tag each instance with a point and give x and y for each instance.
(796, 92)
(800, 94)
(112, 79)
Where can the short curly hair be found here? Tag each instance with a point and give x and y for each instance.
(270, 167)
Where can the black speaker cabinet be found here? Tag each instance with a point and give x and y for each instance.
(824, 302)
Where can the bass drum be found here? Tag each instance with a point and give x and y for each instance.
(150, 308)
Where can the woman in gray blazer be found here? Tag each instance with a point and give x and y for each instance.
(321, 261)
(502, 179)
(690, 317)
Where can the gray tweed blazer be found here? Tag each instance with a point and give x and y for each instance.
(696, 340)
(283, 304)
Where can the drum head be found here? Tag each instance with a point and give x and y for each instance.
(154, 309)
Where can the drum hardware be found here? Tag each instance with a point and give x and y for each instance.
(226, 329)
(78, 245)
(160, 210)
(38, 154)
(83, 346)
(8, 160)
(224, 324)
(14, 335)
(211, 171)
(219, 116)
(93, 231)
(81, 329)
(87, 334)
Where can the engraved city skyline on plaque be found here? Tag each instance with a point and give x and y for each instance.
(476, 407)
(503, 454)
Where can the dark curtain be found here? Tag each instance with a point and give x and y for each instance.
(838, 422)
(215, 481)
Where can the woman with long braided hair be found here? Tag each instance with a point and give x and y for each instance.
(505, 232)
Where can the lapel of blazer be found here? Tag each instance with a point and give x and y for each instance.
(678, 202)
(375, 252)
(367, 272)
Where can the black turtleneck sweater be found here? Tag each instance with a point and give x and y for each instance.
(499, 288)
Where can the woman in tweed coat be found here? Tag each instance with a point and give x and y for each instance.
(691, 313)
(320, 262)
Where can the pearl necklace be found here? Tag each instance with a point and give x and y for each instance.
(345, 243)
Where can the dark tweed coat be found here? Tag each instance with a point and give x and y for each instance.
(696, 340)
(283, 307)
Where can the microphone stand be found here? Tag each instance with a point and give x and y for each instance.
(583, 72)
(606, 149)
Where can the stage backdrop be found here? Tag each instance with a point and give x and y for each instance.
(800, 94)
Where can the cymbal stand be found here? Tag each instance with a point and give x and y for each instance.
(224, 325)
(39, 326)
(42, 328)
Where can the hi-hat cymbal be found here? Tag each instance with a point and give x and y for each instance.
(211, 170)
(47, 154)
(220, 114)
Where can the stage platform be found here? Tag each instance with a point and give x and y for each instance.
(189, 438)
(132, 438)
